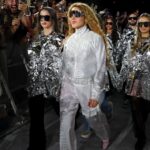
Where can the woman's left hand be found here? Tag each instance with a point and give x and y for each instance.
(92, 103)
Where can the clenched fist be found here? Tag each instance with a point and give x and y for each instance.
(92, 103)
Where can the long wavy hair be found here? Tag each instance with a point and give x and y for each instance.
(115, 33)
(136, 43)
(91, 20)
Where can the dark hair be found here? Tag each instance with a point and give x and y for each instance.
(115, 34)
(53, 15)
(24, 1)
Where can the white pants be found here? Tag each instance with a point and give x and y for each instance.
(73, 93)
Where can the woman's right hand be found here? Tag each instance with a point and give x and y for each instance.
(92, 103)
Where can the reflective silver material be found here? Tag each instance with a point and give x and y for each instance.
(113, 61)
(82, 58)
(44, 65)
(136, 69)
(122, 45)
(113, 49)
(84, 67)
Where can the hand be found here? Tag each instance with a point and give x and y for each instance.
(92, 103)
(15, 24)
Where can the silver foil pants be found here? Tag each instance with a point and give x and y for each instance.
(73, 93)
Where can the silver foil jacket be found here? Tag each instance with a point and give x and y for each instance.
(44, 65)
(137, 66)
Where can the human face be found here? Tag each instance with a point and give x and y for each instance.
(45, 19)
(144, 25)
(22, 6)
(76, 18)
(132, 19)
(12, 5)
(109, 24)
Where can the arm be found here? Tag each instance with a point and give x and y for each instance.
(100, 58)
(25, 15)
(121, 78)
(147, 60)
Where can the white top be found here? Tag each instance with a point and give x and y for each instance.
(84, 58)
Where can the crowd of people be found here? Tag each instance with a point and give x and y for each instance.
(77, 55)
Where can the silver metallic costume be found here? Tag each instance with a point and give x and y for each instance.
(136, 70)
(84, 67)
(44, 65)
(126, 37)
(113, 60)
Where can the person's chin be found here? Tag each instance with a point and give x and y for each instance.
(74, 26)
(13, 10)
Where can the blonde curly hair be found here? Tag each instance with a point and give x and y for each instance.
(91, 20)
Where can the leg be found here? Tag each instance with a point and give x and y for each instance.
(87, 131)
(139, 118)
(107, 106)
(94, 116)
(100, 126)
(37, 139)
(68, 109)
(67, 122)
(55, 104)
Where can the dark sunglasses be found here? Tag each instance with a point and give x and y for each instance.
(46, 17)
(134, 18)
(145, 24)
(109, 23)
(21, 3)
(76, 13)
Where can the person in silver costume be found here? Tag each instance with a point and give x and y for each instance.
(43, 65)
(127, 35)
(113, 38)
(84, 66)
(135, 72)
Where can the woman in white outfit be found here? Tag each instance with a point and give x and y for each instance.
(84, 66)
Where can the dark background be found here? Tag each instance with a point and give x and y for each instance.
(121, 5)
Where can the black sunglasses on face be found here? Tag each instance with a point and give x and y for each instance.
(109, 23)
(134, 18)
(21, 3)
(145, 24)
(76, 14)
(45, 18)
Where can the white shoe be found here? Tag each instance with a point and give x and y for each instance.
(105, 144)
(86, 134)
